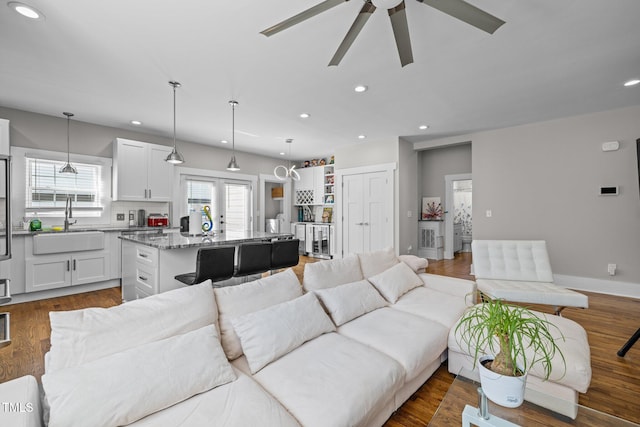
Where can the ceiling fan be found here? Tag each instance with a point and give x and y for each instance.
(397, 14)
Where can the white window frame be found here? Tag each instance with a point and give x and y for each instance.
(97, 215)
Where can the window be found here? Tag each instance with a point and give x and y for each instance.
(47, 189)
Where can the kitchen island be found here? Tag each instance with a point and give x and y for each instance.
(151, 260)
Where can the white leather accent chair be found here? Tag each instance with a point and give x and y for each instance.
(520, 271)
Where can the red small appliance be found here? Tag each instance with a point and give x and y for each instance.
(157, 220)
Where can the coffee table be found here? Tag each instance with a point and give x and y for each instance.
(464, 393)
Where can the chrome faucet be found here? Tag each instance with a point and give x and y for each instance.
(68, 213)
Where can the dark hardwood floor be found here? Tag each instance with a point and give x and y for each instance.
(609, 322)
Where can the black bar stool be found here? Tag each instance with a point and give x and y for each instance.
(284, 253)
(214, 263)
(253, 258)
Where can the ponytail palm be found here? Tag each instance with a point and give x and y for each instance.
(516, 336)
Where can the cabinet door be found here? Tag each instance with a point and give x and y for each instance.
(47, 272)
(89, 267)
(160, 174)
(303, 189)
(318, 185)
(130, 170)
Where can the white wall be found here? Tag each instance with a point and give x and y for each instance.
(407, 191)
(541, 181)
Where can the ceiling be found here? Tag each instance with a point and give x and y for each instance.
(109, 62)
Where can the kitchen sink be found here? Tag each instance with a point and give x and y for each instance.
(57, 242)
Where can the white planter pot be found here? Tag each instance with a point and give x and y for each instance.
(501, 389)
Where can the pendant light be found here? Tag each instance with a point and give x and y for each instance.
(233, 165)
(175, 157)
(68, 168)
(290, 171)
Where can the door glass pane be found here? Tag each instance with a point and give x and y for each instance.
(237, 207)
(201, 193)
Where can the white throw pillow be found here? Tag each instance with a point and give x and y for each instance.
(124, 387)
(396, 281)
(346, 302)
(376, 262)
(81, 336)
(330, 273)
(234, 301)
(269, 334)
(417, 264)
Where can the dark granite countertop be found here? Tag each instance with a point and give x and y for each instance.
(177, 240)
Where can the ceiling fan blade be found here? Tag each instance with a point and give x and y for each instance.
(398, 16)
(302, 16)
(356, 27)
(467, 13)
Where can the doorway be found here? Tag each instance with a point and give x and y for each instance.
(458, 214)
(271, 205)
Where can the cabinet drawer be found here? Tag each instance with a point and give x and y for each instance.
(146, 279)
(147, 256)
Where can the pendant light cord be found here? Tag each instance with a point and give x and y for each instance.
(174, 116)
(68, 144)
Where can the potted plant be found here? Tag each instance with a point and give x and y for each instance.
(506, 341)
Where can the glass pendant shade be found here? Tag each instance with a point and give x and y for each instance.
(67, 168)
(233, 164)
(174, 157)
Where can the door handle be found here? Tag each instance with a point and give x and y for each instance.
(359, 223)
(74, 265)
(149, 193)
(145, 193)
(365, 223)
(68, 265)
(144, 279)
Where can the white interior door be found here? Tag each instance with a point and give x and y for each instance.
(367, 206)
(353, 213)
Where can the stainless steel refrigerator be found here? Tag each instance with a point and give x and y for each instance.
(5, 228)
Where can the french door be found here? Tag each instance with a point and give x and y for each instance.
(229, 202)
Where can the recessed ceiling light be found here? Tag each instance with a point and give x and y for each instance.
(26, 10)
(136, 122)
(224, 141)
(282, 153)
(305, 115)
(360, 88)
(362, 136)
(423, 127)
(632, 82)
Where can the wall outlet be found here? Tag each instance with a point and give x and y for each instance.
(489, 213)
(120, 217)
(409, 214)
(611, 268)
(409, 249)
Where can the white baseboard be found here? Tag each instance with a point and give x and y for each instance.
(60, 292)
(601, 286)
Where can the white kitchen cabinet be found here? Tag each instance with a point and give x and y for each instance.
(140, 268)
(315, 186)
(59, 270)
(140, 172)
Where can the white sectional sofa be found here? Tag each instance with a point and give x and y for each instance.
(346, 348)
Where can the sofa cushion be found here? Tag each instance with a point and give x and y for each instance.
(396, 281)
(417, 264)
(81, 336)
(268, 334)
(372, 263)
(124, 387)
(412, 341)
(511, 260)
(239, 403)
(332, 381)
(330, 273)
(234, 301)
(430, 304)
(346, 302)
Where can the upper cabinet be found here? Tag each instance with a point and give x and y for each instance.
(140, 172)
(315, 186)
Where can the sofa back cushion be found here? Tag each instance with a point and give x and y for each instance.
(235, 301)
(396, 281)
(123, 387)
(525, 260)
(372, 263)
(330, 273)
(81, 336)
(346, 302)
(269, 334)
